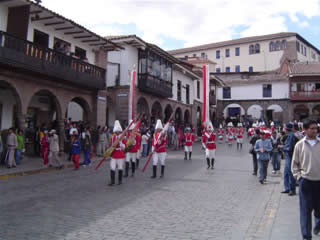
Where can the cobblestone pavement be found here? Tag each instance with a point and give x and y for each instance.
(191, 202)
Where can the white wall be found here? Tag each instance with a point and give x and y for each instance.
(8, 101)
(38, 25)
(195, 90)
(127, 58)
(3, 17)
(176, 75)
(280, 90)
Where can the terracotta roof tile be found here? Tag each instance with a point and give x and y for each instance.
(304, 68)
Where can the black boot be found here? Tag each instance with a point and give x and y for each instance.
(190, 153)
(240, 146)
(185, 155)
(208, 162)
(162, 171)
(212, 163)
(133, 168)
(237, 146)
(137, 163)
(120, 177)
(126, 170)
(154, 169)
(112, 176)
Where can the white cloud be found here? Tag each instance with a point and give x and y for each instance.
(194, 22)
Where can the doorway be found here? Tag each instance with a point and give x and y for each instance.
(41, 38)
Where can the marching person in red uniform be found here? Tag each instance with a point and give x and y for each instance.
(159, 142)
(220, 132)
(240, 133)
(208, 141)
(189, 139)
(131, 155)
(45, 148)
(118, 155)
(230, 135)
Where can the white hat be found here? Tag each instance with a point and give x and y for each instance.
(263, 124)
(254, 125)
(272, 123)
(230, 124)
(45, 131)
(209, 126)
(52, 131)
(220, 126)
(117, 127)
(132, 125)
(159, 124)
(239, 124)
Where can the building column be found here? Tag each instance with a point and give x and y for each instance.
(21, 121)
(61, 133)
(100, 110)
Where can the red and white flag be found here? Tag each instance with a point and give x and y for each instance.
(206, 88)
(132, 93)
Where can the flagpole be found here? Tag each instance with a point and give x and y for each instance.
(132, 93)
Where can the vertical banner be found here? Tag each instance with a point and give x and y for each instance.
(131, 93)
(206, 88)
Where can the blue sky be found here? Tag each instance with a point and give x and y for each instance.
(173, 24)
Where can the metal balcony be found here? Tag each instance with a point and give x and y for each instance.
(21, 54)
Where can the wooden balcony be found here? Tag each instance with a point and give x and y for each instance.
(305, 96)
(154, 85)
(21, 54)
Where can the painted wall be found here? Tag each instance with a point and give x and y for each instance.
(280, 90)
(176, 75)
(8, 101)
(3, 17)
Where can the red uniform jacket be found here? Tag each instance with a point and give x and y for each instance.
(45, 142)
(161, 145)
(220, 132)
(240, 133)
(118, 152)
(209, 140)
(135, 147)
(189, 139)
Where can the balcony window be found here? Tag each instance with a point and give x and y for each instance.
(194, 55)
(142, 62)
(283, 44)
(40, 38)
(271, 47)
(187, 94)
(203, 55)
(257, 48)
(227, 69)
(218, 70)
(179, 90)
(298, 46)
(267, 90)
(237, 68)
(226, 92)
(228, 52)
(250, 69)
(218, 54)
(237, 51)
(251, 49)
(305, 51)
(277, 45)
(80, 53)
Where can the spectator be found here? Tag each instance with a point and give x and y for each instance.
(11, 146)
(87, 149)
(263, 148)
(254, 154)
(45, 148)
(20, 147)
(275, 154)
(306, 169)
(288, 179)
(54, 159)
(144, 142)
(76, 150)
(101, 142)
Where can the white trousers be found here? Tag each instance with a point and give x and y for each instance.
(54, 159)
(188, 148)
(116, 162)
(240, 140)
(132, 156)
(210, 153)
(159, 157)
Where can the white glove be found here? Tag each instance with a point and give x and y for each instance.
(123, 146)
(152, 149)
(204, 146)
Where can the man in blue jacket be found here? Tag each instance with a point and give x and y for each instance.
(263, 147)
(288, 179)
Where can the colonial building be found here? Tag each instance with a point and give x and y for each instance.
(254, 54)
(164, 84)
(304, 80)
(254, 96)
(46, 62)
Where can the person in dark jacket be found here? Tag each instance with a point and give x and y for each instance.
(87, 148)
(275, 154)
(254, 154)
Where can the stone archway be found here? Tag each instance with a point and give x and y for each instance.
(143, 108)
(300, 112)
(275, 112)
(167, 112)
(156, 112)
(178, 116)
(11, 114)
(255, 111)
(79, 110)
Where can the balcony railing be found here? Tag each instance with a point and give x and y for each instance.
(155, 85)
(22, 54)
(304, 96)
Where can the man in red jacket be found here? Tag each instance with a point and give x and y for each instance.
(240, 133)
(159, 142)
(210, 145)
(189, 139)
(132, 152)
(118, 155)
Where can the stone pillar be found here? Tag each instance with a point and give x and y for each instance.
(101, 108)
(21, 121)
(61, 133)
